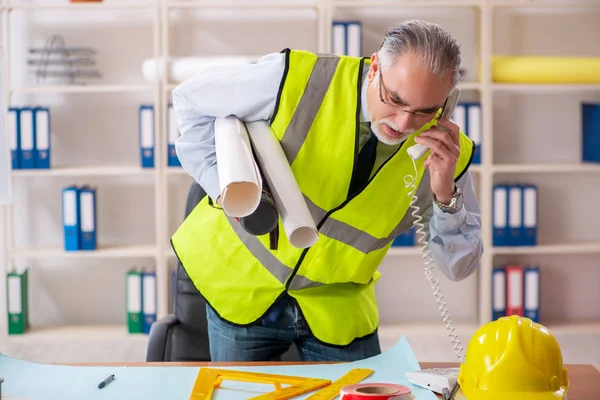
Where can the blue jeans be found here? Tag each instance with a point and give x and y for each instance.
(269, 340)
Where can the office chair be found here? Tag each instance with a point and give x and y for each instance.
(183, 335)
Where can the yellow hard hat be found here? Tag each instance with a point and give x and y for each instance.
(513, 358)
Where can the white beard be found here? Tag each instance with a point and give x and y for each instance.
(384, 138)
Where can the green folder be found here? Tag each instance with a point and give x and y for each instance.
(134, 301)
(18, 310)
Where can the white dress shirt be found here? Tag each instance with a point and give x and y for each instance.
(250, 92)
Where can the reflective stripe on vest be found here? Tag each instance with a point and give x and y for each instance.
(334, 229)
(309, 105)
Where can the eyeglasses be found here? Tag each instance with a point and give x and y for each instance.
(419, 114)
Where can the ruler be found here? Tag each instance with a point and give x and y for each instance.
(209, 379)
(350, 378)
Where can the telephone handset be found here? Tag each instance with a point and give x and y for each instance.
(418, 150)
(415, 152)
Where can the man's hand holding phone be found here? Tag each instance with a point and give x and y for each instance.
(443, 141)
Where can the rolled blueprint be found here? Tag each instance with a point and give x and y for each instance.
(240, 183)
(297, 221)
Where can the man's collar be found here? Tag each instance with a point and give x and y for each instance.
(364, 111)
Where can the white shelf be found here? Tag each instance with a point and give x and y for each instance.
(576, 328)
(545, 88)
(546, 168)
(468, 328)
(424, 327)
(81, 88)
(77, 344)
(469, 86)
(120, 171)
(176, 171)
(404, 251)
(237, 5)
(101, 252)
(568, 4)
(128, 5)
(89, 332)
(569, 248)
(406, 4)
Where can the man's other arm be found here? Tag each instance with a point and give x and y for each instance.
(247, 91)
(455, 239)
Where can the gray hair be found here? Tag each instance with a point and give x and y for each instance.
(435, 48)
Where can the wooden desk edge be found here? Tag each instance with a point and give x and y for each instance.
(585, 378)
(579, 367)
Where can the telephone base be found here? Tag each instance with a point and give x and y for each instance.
(434, 379)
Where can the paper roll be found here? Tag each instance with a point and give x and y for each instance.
(372, 391)
(296, 219)
(240, 183)
(541, 69)
(181, 68)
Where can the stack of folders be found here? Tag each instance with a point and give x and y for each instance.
(79, 218)
(468, 118)
(515, 215)
(141, 300)
(516, 291)
(590, 125)
(29, 135)
(406, 238)
(146, 136)
(347, 38)
(18, 309)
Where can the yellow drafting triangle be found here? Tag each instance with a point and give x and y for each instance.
(210, 378)
(350, 378)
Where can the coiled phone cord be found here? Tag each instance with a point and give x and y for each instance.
(409, 181)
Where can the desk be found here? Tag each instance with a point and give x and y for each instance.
(585, 379)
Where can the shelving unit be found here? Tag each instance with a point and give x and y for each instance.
(469, 301)
(82, 89)
(106, 330)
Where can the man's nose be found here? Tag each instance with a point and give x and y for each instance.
(404, 120)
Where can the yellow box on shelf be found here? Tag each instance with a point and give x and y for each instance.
(545, 69)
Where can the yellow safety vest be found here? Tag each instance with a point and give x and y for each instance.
(317, 123)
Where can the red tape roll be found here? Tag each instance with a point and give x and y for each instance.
(379, 391)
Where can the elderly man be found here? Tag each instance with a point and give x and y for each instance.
(344, 124)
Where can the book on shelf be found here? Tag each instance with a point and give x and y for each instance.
(467, 115)
(146, 135)
(516, 291)
(17, 301)
(590, 131)
(141, 300)
(133, 287)
(347, 38)
(29, 137)
(406, 238)
(515, 214)
(79, 218)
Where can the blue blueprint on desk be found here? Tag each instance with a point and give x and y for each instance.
(32, 381)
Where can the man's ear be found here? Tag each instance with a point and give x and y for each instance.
(373, 68)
